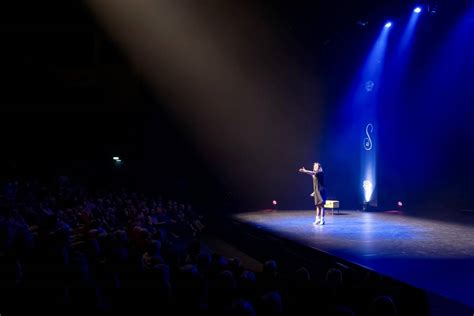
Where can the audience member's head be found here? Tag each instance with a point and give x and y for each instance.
(154, 247)
(248, 276)
(382, 305)
(243, 308)
(203, 262)
(342, 311)
(162, 274)
(302, 275)
(247, 285)
(218, 263)
(271, 304)
(226, 280)
(334, 278)
(270, 268)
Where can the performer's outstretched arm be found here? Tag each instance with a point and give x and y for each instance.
(303, 170)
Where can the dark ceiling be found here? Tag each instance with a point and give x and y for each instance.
(54, 53)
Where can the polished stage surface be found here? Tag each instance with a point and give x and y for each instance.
(432, 254)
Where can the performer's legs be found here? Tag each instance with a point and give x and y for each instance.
(317, 220)
(322, 211)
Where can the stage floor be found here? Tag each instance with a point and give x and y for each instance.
(434, 255)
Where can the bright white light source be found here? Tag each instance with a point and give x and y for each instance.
(368, 189)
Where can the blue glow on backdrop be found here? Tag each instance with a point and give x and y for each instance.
(392, 109)
(408, 113)
(427, 136)
(366, 100)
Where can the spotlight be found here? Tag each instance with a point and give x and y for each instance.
(368, 190)
(417, 10)
(362, 24)
(388, 25)
(116, 158)
(400, 206)
(274, 202)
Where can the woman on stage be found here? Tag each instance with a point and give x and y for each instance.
(319, 192)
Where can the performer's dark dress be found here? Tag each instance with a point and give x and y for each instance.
(318, 187)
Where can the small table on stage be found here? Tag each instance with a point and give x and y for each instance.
(332, 204)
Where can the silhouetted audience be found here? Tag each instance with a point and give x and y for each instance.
(63, 249)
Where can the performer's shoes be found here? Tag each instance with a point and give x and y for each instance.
(321, 222)
(316, 222)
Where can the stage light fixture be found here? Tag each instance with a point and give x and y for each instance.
(368, 190)
(362, 24)
(433, 9)
(417, 10)
(388, 25)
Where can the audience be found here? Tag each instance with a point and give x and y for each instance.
(64, 248)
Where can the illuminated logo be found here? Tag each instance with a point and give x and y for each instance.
(368, 140)
(369, 86)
